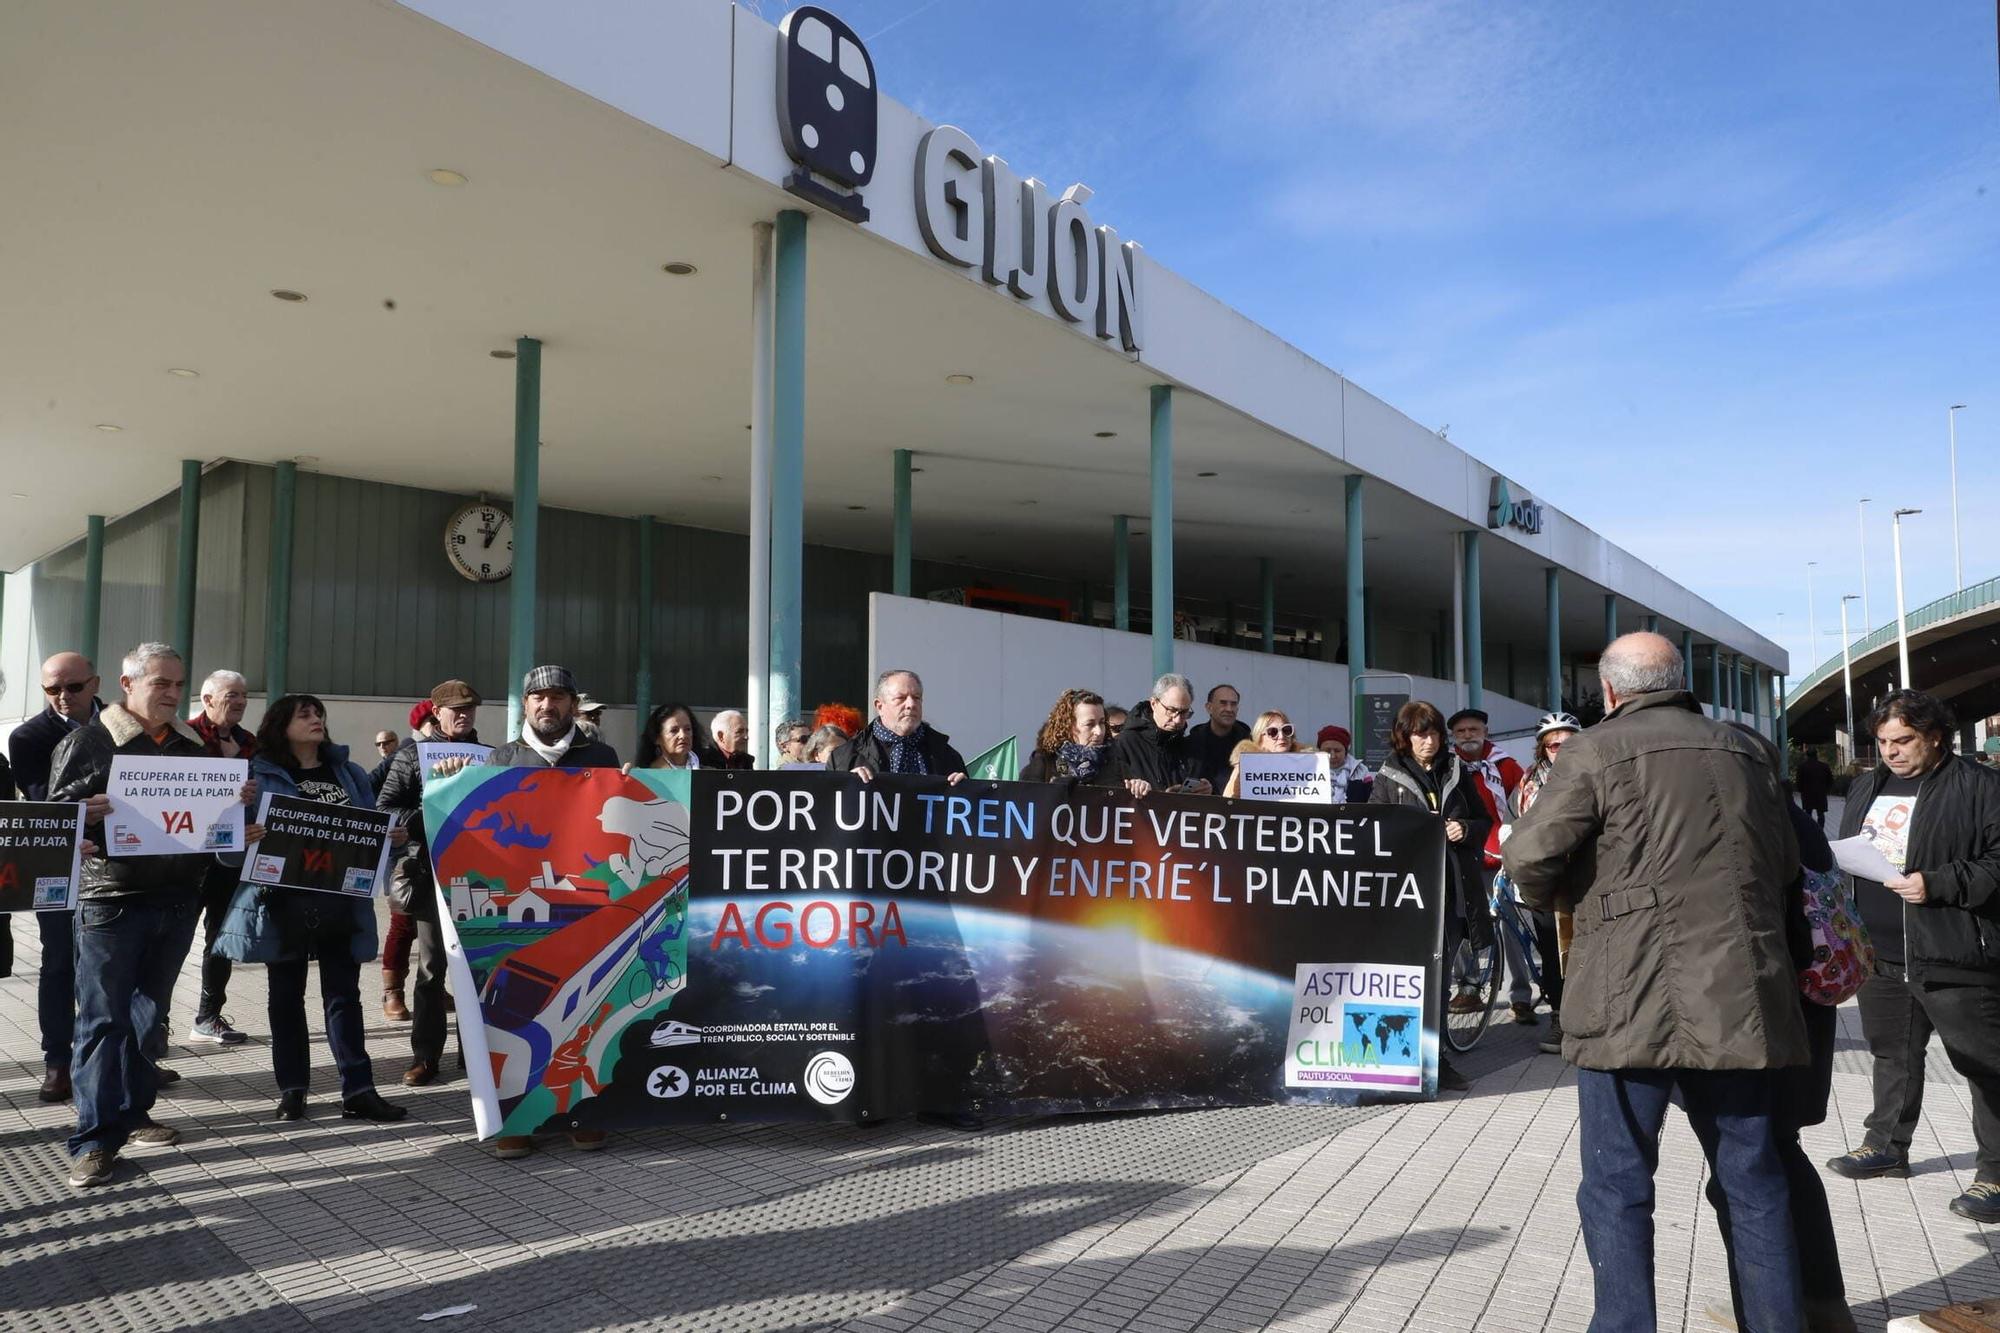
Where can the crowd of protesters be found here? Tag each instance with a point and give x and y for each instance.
(1684, 909)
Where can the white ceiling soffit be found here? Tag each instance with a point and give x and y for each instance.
(192, 158)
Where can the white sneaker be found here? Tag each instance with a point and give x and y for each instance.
(217, 1032)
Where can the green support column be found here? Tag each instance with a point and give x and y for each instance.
(1121, 573)
(1715, 677)
(900, 579)
(1652, 624)
(1687, 658)
(93, 588)
(527, 523)
(1267, 578)
(278, 592)
(1162, 532)
(1758, 703)
(788, 466)
(187, 563)
(1367, 627)
(1475, 640)
(1610, 616)
(1357, 576)
(1552, 612)
(642, 629)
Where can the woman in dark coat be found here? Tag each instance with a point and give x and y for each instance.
(289, 928)
(1425, 773)
(1074, 746)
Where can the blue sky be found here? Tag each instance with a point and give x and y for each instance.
(1701, 274)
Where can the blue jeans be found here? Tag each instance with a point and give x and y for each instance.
(1734, 1114)
(55, 989)
(127, 955)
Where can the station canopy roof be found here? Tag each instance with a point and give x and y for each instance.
(171, 166)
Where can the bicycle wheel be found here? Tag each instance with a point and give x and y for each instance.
(1472, 984)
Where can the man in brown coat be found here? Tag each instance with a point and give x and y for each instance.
(1666, 834)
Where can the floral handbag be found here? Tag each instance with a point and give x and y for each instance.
(1843, 955)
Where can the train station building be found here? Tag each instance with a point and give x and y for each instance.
(356, 345)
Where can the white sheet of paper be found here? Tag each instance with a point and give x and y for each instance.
(175, 807)
(1302, 779)
(431, 753)
(1863, 859)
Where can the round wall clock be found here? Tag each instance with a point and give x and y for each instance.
(479, 542)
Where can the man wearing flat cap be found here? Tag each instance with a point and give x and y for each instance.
(454, 708)
(551, 737)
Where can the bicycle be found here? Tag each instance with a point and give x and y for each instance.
(1473, 973)
(659, 977)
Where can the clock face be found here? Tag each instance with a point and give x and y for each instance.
(479, 540)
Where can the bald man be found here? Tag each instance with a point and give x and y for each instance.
(69, 684)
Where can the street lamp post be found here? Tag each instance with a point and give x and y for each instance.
(1867, 616)
(1902, 622)
(1812, 620)
(1847, 674)
(1957, 567)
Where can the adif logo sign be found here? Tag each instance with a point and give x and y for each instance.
(1504, 511)
(976, 213)
(826, 110)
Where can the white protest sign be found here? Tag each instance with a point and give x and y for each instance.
(432, 753)
(1302, 779)
(175, 807)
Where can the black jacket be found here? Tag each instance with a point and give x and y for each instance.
(1211, 754)
(1145, 752)
(81, 768)
(1814, 782)
(864, 751)
(588, 752)
(402, 795)
(33, 746)
(1954, 938)
(1445, 790)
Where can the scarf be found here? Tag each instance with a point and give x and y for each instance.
(551, 754)
(1351, 771)
(1082, 760)
(906, 753)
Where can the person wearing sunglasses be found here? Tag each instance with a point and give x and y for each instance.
(69, 685)
(1272, 734)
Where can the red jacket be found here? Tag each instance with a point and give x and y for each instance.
(1498, 775)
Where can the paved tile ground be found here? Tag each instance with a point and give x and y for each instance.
(1458, 1215)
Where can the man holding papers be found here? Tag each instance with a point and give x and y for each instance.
(136, 913)
(1934, 819)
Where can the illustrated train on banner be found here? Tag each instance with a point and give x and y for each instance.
(660, 946)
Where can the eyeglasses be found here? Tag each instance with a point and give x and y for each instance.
(73, 687)
(383, 745)
(1172, 711)
(1273, 733)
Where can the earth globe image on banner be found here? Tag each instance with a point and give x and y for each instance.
(969, 1006)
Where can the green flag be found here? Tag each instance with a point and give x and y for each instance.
(996, 765)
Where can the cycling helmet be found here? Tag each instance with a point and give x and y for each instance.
(1556, 722)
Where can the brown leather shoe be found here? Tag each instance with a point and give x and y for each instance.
(510, 1146)
(420, 1073)
(393, 1007)
(55, 1086)
(588, 1140)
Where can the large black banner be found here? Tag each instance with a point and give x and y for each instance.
(791, 945)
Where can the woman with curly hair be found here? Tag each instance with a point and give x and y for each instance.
(1074, 746)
